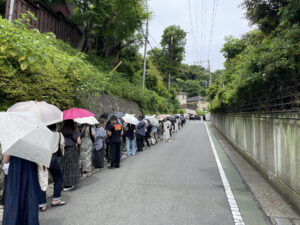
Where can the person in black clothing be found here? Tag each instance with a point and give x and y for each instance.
(140, 134)
(148, 133)
(107, 142)
(114, 131)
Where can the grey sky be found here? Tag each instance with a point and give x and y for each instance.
(229, 20)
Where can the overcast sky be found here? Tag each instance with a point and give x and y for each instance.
(229, 20)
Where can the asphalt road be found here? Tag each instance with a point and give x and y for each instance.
(174, 183)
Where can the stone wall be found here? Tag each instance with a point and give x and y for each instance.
(271, 143)
(106, 103)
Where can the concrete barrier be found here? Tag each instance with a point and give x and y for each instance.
(271, 143)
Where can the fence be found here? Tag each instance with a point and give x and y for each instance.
(47, 20)
(284, 100)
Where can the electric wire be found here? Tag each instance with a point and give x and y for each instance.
(214, 15)
(192, 31)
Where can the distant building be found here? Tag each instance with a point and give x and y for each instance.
(182, 98)
(198, 103)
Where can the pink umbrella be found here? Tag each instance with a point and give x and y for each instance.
(75, 113)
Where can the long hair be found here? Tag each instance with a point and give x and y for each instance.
(68, 128)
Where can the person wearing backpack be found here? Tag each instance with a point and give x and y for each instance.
(86, 148)
(56, 174)
(114, 132)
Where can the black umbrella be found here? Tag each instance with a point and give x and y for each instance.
(108, 115)
(171, 118)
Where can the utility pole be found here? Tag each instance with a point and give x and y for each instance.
(210, 81)
(169, 83)
(145, 50)
(11, 10)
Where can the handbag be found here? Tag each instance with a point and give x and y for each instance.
(43, 177)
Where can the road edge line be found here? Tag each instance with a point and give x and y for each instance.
(237, 216)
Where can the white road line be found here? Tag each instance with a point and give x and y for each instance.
(237, 216)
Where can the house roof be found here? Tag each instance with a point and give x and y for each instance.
(196, 98)
(183, 93)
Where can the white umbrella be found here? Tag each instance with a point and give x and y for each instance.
(152, 120)
(130, 119)
(25, 136)
(47, 113)
(87, 120)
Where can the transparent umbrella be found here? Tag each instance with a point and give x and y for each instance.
(130, 119)
(23, 135)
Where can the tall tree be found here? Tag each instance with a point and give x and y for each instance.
(109, 25)
(173, 48)
(264, 13)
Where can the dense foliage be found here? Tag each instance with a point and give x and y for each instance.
(108, 26)
(38, 66)
(191, 79)
(263, 61)
(2, 8)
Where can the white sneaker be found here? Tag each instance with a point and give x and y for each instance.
(68, 189)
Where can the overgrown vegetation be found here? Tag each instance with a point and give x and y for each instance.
(263, 61)
(38, 66)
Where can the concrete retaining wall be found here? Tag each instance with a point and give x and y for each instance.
(107, 103)
(271, 143)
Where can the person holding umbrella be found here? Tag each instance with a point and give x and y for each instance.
(114, 132)
(26, 171)
(86, 148)
(70, 160)
(130, 122)
(56, 174)
(99, 144)
(24, 150)
(141, 129)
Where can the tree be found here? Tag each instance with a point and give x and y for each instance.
(2, 7)
(155, 56)
(232, 47)
(192, 87)
(264, 13)
(173, 49)
(109, 26)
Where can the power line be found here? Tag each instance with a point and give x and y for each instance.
(214, 14)
(202, 31)
(197, 21)
(204, 28)
(153, 39)
(192, 30)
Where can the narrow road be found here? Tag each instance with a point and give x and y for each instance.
(174, 183)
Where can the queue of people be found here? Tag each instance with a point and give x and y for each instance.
(79, 150)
